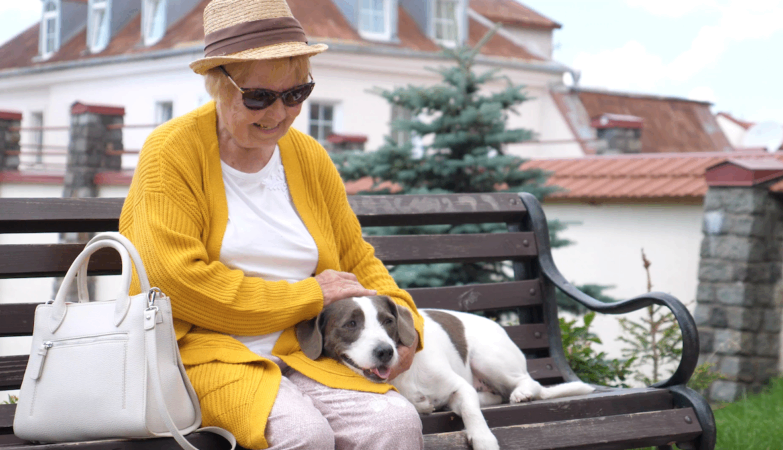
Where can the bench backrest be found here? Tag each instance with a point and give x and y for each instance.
(538, 335)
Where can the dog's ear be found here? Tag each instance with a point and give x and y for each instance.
(405, 330)
(310, 337)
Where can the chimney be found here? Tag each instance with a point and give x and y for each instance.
(618, 133)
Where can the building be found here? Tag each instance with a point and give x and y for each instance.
(134, 54)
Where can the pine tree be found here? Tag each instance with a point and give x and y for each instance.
(466, 130)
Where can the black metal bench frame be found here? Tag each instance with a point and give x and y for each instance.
(660, 415)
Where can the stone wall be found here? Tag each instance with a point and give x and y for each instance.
(739, 295)
(94, 133)
(9, 140)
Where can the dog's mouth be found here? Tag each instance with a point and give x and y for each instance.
(378, 374)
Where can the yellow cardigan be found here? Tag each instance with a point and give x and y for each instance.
(176, 214)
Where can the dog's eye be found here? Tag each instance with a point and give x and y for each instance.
(351, 324)
(388, 322)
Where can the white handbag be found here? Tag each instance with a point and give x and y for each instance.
(99, 370)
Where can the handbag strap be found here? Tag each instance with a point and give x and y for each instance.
(152, 361)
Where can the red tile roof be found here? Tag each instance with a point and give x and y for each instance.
(321, 20)
(512, 13)
(643, 177)
(671, 125)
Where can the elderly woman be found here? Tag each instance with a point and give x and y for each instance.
(244, 222)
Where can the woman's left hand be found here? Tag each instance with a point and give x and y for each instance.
(406, 358)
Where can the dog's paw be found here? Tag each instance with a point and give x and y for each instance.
(521, 394)
(423, 405)
(483, 441)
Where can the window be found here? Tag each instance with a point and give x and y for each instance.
(375, 19)
(446, 22)
(98, 25)
(164, 111)
(37, 124)
(400, 113)
(154, 18)
(49, 30)
(321, 121)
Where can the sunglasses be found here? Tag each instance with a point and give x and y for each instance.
(258, 99)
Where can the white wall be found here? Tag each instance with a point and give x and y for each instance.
(341, 78)
(608, 242)
(734, 133)
(538, 41)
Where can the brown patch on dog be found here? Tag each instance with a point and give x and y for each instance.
(336, 327)
(454, 328)
(400, 328)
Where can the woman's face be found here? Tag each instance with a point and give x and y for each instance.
(262, 128)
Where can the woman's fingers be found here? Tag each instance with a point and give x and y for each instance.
(339, 285)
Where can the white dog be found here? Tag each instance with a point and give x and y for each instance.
(467, 362)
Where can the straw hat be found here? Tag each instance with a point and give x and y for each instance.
(248, 30)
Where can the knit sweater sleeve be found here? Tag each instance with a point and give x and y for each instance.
(167, 216)
(357, 255)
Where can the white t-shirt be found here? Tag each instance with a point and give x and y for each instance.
(265, 237)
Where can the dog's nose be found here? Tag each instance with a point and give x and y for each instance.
(383, 353)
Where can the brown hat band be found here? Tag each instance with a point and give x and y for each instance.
(258, 33)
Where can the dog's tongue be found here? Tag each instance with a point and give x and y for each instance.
(382, 372)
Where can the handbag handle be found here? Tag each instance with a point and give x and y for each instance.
(81, 277)
(123, 298)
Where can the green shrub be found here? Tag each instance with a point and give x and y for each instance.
(591, 366)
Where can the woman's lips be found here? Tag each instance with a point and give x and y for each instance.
(266, 129)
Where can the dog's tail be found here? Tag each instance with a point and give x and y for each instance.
(565, 390)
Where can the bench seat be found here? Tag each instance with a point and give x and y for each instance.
(610, 418)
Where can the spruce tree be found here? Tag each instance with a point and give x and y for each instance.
(465, 130)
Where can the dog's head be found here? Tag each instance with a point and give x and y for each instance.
(360, 332)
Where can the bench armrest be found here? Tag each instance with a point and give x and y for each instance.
(690, 336)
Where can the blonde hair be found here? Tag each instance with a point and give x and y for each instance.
(219, 87)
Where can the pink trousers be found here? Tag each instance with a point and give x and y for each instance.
(309, 415)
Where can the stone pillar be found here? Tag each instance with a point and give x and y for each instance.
(90, 138)
(9, 140)
(89, 141)
(739, 295)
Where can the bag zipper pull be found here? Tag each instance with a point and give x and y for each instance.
(37, 362)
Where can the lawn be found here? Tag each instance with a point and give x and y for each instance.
(753, 423)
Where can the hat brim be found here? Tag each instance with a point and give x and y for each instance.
(276, 51)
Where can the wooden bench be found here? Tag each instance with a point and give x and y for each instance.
(608, 419)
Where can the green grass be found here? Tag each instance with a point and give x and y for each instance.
(753, 423)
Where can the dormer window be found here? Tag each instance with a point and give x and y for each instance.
(446, 22)
(50, 24)
(98, 25)
(375, 17)
(154, 21)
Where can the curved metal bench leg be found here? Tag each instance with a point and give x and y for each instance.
(686, 397)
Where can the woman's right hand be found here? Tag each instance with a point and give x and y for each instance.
(339, 285)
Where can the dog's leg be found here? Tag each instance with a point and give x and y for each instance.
(465, 402)
(489, 399)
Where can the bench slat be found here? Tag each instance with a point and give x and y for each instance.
(40, 215)
(397, 210)
(529, 336)
(52, 260)
(600, 433)
(426, 249)
(609, 402)
(543, 369)
(47, 260)
(16, 319)
(478, 297)
(12, 371)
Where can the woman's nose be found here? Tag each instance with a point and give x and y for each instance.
(276, 110)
